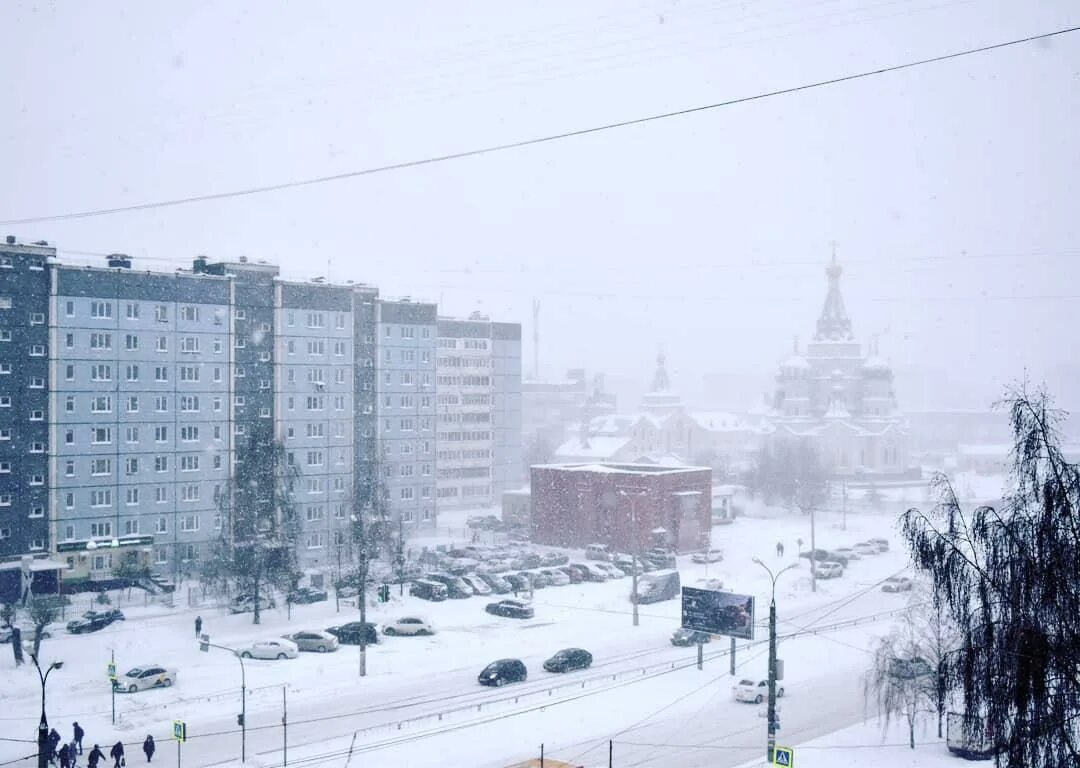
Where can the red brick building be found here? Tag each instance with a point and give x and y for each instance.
(574, 505)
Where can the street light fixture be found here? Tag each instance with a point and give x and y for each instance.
(43, 724)
(205, 645)
(771, 744)
(635, 547)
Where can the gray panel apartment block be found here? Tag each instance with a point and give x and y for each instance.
(508, 469)
(365, 418)
(406, 402)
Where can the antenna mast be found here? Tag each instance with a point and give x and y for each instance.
(536, 338)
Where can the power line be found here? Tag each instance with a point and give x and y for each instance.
(549, 138)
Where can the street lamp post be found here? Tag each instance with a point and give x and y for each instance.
(205, 645)
(636, 549)
(43, 725)
(771, 744)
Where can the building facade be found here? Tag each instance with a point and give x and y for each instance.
(405, 397)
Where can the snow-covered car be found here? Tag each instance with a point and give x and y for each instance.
(882, 544)
(683, 637)
(479, 586)
(591, 572)
(865, 548)
(408, 625)
(553, 559)
(830, 569)
(754, 691)
(313, 640)
(847, 553)
(498, 584)
(146, 676)
(897, 584)
(498, 565)
(708, 556)
(92, 621)
(510, 609)
(609, 570)
(714, 584)
(307, 595)
(269, 649)
(555, 576)
(27, 631)
(246, 604)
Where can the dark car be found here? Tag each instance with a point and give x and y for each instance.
(569, 659)
(306, 595)
(551, 559)
(661, 558)
(498, 584)
(821, 555)
(581, 570)
(503, 671)
(510, 609)
(351, 633)
(519, 582)
(683, 637)
(572, 573)
(92, 621)
(456, 589)
(839, 557)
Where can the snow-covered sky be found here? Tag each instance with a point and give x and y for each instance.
(950, 189)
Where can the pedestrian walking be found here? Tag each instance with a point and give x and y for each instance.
(198, 626)
(65, 756)
(117, 754)
(95, 757)
(79, 733)
(73, 754)
(54, 742)
(148, 747)
(779, 549)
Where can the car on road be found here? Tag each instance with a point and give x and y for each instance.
(510, 609)
(683, 637)
(503, 671)
(755, 691)
(246, 604)
(426, 589)
(865, 548)
(836, 556)
(829, 570)
(708, 556)
(313, 640)
(408, 625)
(478, 585)
(92, 621)
(147, 676)
(308, 595)
(897, 584)
(568, 660)
(27, 631)
(496, 583)
(572, 573)
(269, 649)
(556, 577)
(351, 633)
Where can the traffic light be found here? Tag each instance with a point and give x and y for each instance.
(384, 593)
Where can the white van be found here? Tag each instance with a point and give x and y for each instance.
(597, 552)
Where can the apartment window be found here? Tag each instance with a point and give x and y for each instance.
(339, 402)
(315, 402)
(238, 400)
(5, 499)
(191, 373)
(339, 376)
(132, 435)
(189, 345)
(217, 346)
(5, 302)
(406, 378)
(425, 401)
(315, 320)
(131, 526)
(388, 355)
(69, 308)
(37, 447)
(407, 494)
(241, 314)
(189, 403)
(339, 348)
(189, 314)
(5, 401)
(69, 500)
(101, 435)
(131, 342)
(133, 404)
(291, 318)
(37, 350)
(132, 311)
(161, 404)
(162, 344)
(189, 463)
(314, 458)
(314, 513)
(339, 484)
(101, 404)
(37, 479)
(216, 403)
(162, 525)
(101, 529)
(264, 357)
(239, 430)
(161, 495)
(69, 340)
(316, 485)
(240, 343)
(131, 465)
(69, 468)
(407, 425)
(161, 313)
(5, 467)
(389, 331)
(100, 309)
(290, 347)
(69, 373)
(217, 432)
(69, 532)
(217, 461)
(290, 403)
(5, 533)
(69, 404)
(407, 401)
(132, 372)
(425, 469)
(161, 373)
(408, 332)
(339, 320)
(69, 436)
(189, 523)
(425, 333)
(316, 347)
(315, 540)
(217, 522)
(161, 463)
(161, 555)
(101, 497)
(406, 470)
(408, 356)
(217, 374)
(264, 383)
(99, 467)
(189, 494)
(425, 493)
(240, 372)
(189, 434)
(315, 429)
(131, 498)
(425, 380)
(5, 335)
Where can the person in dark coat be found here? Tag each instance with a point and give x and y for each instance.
(198, 626)
(117, 754)
(79, 733)
(148, 747)
(65, 756)
(779, 549)
(95, 757)
(54, 742)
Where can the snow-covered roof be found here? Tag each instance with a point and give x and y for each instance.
(796, 362)
(984, 449)
(719, 421)
(876, 362)
(594, 447)
(620, 467)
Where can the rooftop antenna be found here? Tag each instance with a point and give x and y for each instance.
(536, 338)
(833, 243)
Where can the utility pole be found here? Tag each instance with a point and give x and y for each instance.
(813, 552)
(205, 645)
(843, 488)
(284, 728)
(771, 742)
(635, 547)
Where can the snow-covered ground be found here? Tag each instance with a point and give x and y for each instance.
(420, 703)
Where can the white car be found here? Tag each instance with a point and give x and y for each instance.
(849, 552)
(714, 584)
(866, 548)
(897, 584)
(479, 586)
(409, 625)
(609, 570)
(829, 570)
(755, 691)
(246, 604)
(146, 676)
(270, 649)
(710, 556)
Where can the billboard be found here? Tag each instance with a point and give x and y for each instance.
(718, 613)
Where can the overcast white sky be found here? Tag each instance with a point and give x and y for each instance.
(952, 189)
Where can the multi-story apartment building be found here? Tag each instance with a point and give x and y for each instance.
(315, 347)
(365, 416)
(140, 413)
(406, 392)
(478, 378)
(24, 404)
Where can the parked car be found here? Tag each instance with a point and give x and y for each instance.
(148, 676)
(659, 557)
(654, 587)
(708, 556)
(540, 580)
(483, 522)
(714, 584)
(552, 559)
(503, 671)
(820, 555)
(593, 573)
(866, 548)
(526, 561)
(456, 589)
(609, 570)
(313, 640)
(582, 570)
(428, 590)
(571, 573)
(837, 556)
(478, 585)
(408, 625)
(625, 563)
(844, 554)
(755, 691)
(897, 584)
(510, 609)
(568, 660)
(307, 595)
(597, 552)
(519, 582)
(496, 583)
(246, 604)
(556, 577)
(683, 637)
(351, 633)
(459, 566)
(27, 631)
(497, 565)
(829, 570)
(92, 621)
(882, 544)
(269, 649)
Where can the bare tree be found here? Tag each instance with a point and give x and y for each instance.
(44, 610)
(369, 533)
(789, 472)
(1009, 579)
(900, 680)
(938, 639)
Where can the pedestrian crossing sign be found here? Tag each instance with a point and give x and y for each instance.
(179, 730)
(784, 756)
